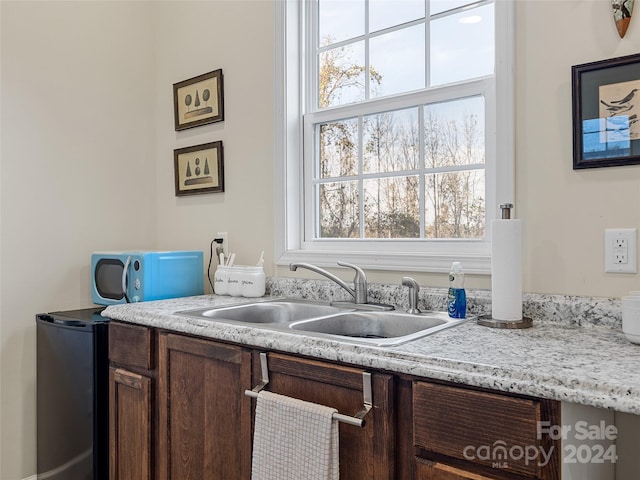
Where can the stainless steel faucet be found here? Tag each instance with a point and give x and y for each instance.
(414, 288)
(359, 290)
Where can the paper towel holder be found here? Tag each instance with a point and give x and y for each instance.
(488, 320)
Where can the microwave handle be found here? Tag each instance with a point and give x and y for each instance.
(125, 273)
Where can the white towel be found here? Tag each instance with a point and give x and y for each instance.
(294, 440)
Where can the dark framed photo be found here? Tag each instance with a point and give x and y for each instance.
(606, 112)
(199, 169)
(198, 100)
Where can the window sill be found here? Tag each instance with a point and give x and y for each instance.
(478, 264)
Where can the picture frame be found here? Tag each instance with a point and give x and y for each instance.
(606, 112)
(198, 100)
(199, 169)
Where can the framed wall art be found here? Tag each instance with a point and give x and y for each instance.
(199, 169)
(198, 100)
(606, 111)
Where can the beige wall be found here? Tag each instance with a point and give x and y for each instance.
(87, 157)
(77, 153)
(566, 211)
(198, 37)
(87, 134)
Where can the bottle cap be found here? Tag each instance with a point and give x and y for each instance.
(456, 267)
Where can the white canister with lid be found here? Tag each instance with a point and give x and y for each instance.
(253, 282)
(631, 316)
(221, 280)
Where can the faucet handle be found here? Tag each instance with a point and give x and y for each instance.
(360, 275)
(410, 282)
(359, 283)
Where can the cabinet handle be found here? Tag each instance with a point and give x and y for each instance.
(127, 378)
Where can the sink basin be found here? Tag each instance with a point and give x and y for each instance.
(274, 312)
(379, 328)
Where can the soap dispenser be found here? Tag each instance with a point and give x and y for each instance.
(457, 297)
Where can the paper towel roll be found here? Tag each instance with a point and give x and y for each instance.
(506, 269)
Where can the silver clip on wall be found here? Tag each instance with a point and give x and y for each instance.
(357, 419)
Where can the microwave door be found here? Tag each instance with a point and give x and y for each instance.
(107, 280)
(125, 274)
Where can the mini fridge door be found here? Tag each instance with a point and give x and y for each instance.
(72, 396)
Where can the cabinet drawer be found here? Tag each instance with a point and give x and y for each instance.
(484, 428)
(130, 345)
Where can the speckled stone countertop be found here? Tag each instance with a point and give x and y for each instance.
(575, 352)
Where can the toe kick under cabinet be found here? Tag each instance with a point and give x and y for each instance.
(178, 412)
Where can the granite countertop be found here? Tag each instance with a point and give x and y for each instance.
(586, 364)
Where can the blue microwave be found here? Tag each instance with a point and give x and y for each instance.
(139, 276)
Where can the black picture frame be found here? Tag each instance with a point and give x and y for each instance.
(189, 96)
(606, 112)
(199, 169)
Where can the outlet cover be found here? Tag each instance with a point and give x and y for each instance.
(620, 250)
(225, 242)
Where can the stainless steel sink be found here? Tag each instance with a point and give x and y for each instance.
(379, 328)
(273, 312)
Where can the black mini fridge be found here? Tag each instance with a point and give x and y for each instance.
(72, 395)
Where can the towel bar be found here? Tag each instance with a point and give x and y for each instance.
(357, 419)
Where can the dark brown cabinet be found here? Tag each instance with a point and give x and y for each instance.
(366, 453)
(130, 403)
(178, 412)
(177, 407)
(130, 425)
(204, 417)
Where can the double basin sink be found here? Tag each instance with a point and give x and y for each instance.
(352, 324)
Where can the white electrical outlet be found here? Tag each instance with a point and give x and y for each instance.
(225, 242)
(620, 250)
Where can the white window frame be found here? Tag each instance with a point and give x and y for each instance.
(421, 255)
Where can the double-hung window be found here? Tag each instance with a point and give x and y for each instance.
(395, 132)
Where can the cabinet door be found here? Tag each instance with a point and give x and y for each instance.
(365, 453)
(204, 416)
(129, 425)
(427, 470)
